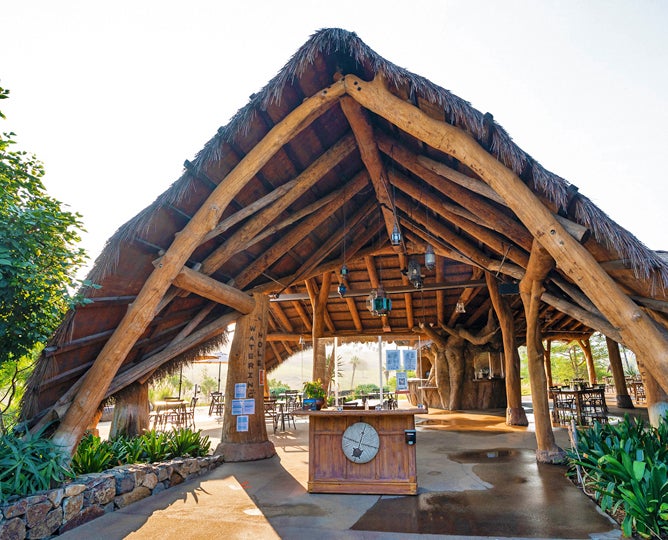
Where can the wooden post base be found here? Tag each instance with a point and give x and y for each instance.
(250, 451)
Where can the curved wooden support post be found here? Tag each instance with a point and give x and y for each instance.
(531, 289)
(515, 413)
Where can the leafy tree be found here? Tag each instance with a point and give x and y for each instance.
(38, 253)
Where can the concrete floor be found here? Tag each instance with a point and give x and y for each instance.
(477, 478)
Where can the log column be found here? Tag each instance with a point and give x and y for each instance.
(585, 345)
(623, 399)
(531, 289)
(515, 413)
(547, 354)
(657, 399)
(131, 412)
(244, 436)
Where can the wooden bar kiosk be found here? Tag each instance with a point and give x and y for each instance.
(360, 451)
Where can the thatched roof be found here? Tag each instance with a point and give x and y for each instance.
(340, 217)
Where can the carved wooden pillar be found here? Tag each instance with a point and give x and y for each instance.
(623, 399)
(244, 436)
(130, 412)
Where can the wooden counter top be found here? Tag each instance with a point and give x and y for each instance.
(361, 412)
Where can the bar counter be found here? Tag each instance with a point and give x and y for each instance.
(362, 451)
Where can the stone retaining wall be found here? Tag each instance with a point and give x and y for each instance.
(50, 513)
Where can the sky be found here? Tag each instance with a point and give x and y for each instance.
(113, 97)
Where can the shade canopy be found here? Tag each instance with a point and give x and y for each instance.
(300, 197)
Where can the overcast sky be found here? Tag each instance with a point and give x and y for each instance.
(114, 96)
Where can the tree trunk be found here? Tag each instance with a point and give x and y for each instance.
(244, 436)
(130, 412)
(515, 413)
(657, 399)
(585, 345)
(623, 399)
(548, 363)
(531, 289)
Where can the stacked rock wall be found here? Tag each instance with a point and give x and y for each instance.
(53, 512)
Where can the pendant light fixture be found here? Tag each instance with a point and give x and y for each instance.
(429, 258)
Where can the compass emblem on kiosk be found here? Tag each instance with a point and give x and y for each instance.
(360, 442)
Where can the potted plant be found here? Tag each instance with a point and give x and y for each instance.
(314, 395)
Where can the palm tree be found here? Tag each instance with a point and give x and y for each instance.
(354, 362)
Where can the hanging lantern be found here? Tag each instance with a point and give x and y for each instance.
(414, 273)
(396, 235)
(377, 303)
(429, 258)
(344, 271)
(460, 307)
(341, 289)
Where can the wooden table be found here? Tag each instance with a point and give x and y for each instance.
(393, 469)
(169, 412)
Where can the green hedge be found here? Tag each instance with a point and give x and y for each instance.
(31, 463)
(625, 466)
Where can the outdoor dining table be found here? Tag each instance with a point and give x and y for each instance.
(169, 411)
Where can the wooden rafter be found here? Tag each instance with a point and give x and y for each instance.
(371, 158)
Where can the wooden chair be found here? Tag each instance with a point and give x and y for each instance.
(188, 414)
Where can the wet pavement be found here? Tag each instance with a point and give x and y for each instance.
(477, 478)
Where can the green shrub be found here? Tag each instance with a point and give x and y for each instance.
(30, 463)
(155, 445)
(625, 466)
(184, 442)
(92, 455)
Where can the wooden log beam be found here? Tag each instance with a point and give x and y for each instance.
(637, 329)
(202, 285)
(332, 243)
(372, 160)
(515, 413)
(312, 174)
(489, 214)
(438, 231)
(408, 296)
(577, 231)
(142, 311)
(491, 239)
(297, 234)
(249, 210)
